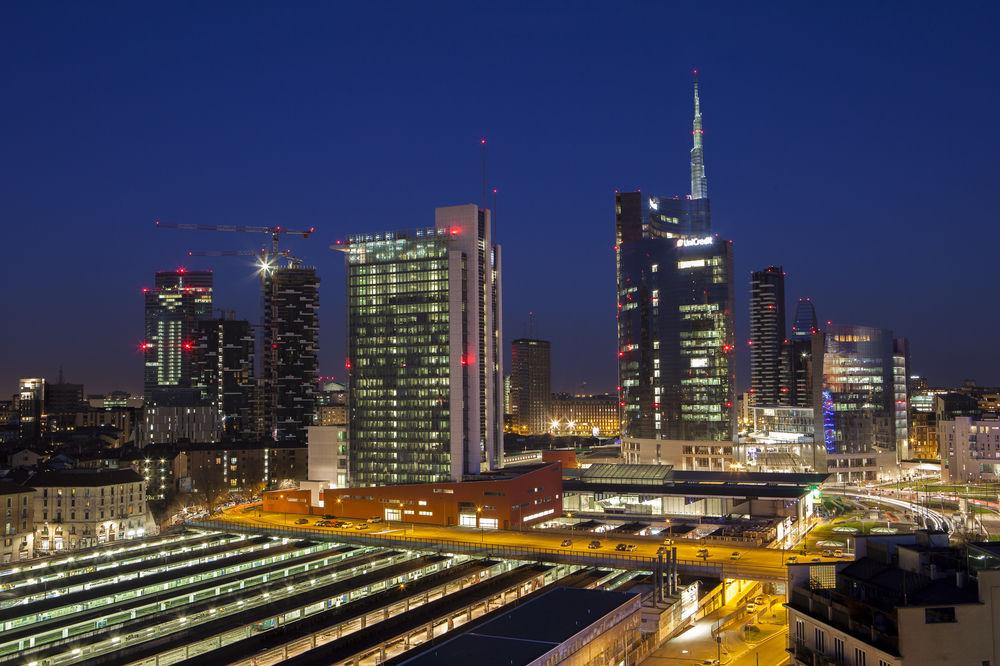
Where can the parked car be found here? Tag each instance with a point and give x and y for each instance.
(376, 519)
(760, 600)
(301, 521)
(827, 553)
(792, 559)
(838, 553)
(361, 526)
(328, 517)
(751, 607)
(736, 555)
(566, 543)
(594, 544)
(816, 559)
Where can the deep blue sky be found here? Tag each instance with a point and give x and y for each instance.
(856, 144)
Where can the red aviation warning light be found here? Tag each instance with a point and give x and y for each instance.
(347, 364)
(144, 346)
(187, 345)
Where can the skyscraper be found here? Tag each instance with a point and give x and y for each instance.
(767, 333)
(30, 408)
(675, 313)
(291, 343)
(531, 385)
(856, 418)
(175, 304)
(224, 371)
(424, 354)
(805, 324)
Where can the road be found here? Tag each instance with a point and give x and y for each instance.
(770, 560)
(938, 519)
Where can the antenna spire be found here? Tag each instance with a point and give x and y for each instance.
(482, 146)
(699, 181)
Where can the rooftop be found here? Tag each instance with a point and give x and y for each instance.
(84, 477)
(906, 588)
(523, 633)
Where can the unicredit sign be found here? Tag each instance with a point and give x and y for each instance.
(692, 242)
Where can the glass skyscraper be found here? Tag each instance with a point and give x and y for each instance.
(675, 313)
(424, 357)
(531, 386)
(173, 307)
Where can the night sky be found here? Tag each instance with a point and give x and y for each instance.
(856, 144)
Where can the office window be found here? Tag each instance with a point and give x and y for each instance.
(939, 615)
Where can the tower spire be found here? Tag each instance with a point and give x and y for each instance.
(699, 182)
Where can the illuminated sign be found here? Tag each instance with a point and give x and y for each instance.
(654, 204)
(693, 242)
(691, 263)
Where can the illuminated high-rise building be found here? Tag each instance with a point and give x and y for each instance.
(30, 408)
(804, 325)
(174, 305)
(224, 371)
(795, 374)
(675, 313)
(424, 351)
(531, 386)
(291, 343)
(767, 334)
(861, 399)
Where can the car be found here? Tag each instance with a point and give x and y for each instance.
(736, 555)
(625, 547)
(751, 607)
(816, 559)
(619, 546)
(662, 550)
(322, 523)
(792, 559)
(827, 553)
(593, 545)
(838, 553)
(328, 517)
(668, 542)
(301, 521)
(374, 520)
(760, 600)
(566, 543)
(345, 525)
(361, 526)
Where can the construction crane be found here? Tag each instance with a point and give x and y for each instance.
(275, 232)
(265, 259)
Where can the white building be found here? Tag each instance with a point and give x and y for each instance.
(703, 456)
(970, 449)
(86, 507)
(327, 460)
(906, 601)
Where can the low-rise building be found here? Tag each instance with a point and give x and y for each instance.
(906, 601)
(510, 498)
(84, 507)
(585, 415)
(164, 424)
(704, 456)
(17, 508)
(246, 468)
(970, 449)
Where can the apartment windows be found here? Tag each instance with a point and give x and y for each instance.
(820, 638)
(838, 648)
(800, 631)
(860, 657)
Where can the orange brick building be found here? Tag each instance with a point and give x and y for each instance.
(510, 498)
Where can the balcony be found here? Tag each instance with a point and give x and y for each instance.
(847, 615)
(802, 655)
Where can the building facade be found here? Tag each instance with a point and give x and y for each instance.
(970, 448)
(291, 344)
(17, 508)
(860, 399)
(585, 415)
(173, 307)
(767, 334)
(173, 424)
(424, 351)
(224, 370)
(675, 314)
(83, 507)
(530, 386)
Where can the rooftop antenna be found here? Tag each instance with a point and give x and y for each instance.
(493, 216)
(482, 151)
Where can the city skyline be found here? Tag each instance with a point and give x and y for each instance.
(783, 161)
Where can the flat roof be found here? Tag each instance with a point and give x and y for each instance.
(521, 634)
(691, 489)
(84, 477)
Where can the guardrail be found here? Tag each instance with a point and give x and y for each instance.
(718, 569)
